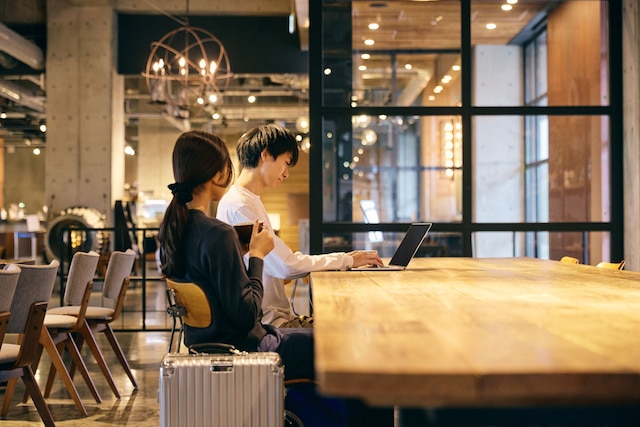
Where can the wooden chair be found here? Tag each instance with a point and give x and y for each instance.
(611, 265)
(569, 260)
(189, 305)
(28, 308)
(8, 281)
(60, 329)
(99, 318)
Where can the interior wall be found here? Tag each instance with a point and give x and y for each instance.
(577, 186)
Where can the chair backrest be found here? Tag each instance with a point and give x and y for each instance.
(35, 284)
(82, 271)
(116, 277)
(569, 260)
(197, 311)
(8, 281)
(611, 265)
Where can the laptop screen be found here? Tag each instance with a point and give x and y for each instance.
(410, 243)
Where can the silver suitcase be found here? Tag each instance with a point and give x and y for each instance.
(240, 390)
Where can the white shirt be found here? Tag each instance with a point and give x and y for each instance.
(240, 205)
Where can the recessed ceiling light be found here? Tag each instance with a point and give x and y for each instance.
(369, 42)
(374, 26)
(365, 56)
(506, 7)
(491, 26)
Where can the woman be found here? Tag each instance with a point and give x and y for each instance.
(197, 248)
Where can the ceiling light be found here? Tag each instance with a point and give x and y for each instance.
(456, 67)
(305, 144)
(36, 151)
(327, 71)
(251, 99)
(491, 26)
(369, 137)
(408, 66)
(512, 1)
(362, 68)
(374, 26)
(43, 127)
(185, 67)
(365, 56)
(3, 115)
(506, 7)
(369, 42)
(302, 124)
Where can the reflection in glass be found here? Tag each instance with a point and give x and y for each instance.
(564, 49)
(393, 169)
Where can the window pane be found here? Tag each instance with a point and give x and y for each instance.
(588, 247)
(434, 245)
(392, 169)
(566, 182)
(402, 53)
(389, 79)
(569, 60)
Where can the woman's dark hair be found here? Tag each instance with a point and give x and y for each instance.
(197, 157)
(275, 139)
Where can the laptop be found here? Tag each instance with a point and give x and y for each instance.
(406, 250)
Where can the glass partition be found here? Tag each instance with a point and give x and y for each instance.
(589, 247)
(392, 169)
(565, 52)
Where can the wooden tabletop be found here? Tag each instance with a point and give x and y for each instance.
(479, 332)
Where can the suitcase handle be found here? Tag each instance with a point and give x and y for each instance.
(213, 348)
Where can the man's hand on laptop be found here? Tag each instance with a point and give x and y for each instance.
(361, 258)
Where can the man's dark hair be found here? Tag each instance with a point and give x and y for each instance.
(275, 139)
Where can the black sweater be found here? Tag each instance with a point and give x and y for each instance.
(213, 260)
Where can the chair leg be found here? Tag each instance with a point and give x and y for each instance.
(79, 361)
(8, 395)
(56, 359)
(119, 353)
(88, 336)
(33, 389)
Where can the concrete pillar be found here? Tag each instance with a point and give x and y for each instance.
(631, 134)
(498, 178)
(85, 108)
(156, 138)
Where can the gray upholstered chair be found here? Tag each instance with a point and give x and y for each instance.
(99, 318)
(59, 329)
(28, 308)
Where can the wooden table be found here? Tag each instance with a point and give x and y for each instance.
(467, 332)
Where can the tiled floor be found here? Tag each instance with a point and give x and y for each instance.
(139, 407)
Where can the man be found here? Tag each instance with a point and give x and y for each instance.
(265, 154)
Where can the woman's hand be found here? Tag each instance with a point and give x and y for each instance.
(261, 241)
(365, 258)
